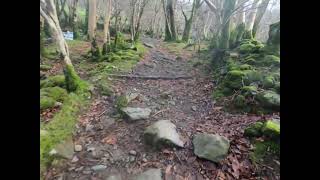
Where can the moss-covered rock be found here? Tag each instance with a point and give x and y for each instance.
(57, 93)
(249, 90)
(239, 101)
(254, 130)
(252, 76)
(46, 102)
(268, 82)
(247, 48)
(269, 99)
(121, 102)
(271, 129)
(52, 81)
(44, 67)
(234, 79)
(271, 60)
(245, 67)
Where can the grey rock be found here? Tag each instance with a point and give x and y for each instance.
(132, 159)
(148, 45)
(98, 167)
(162, 131)
(136, 113)
(114, 177)
(194, 108)
(89, 127)
(151, 174)
(87, 172)
(131, 96)
(210, 146)
(133, 152)
(75, 159)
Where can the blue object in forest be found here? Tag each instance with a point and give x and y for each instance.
(68, 35)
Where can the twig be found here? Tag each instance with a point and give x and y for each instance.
(159, 112)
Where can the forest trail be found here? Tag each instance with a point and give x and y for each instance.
(111, 145)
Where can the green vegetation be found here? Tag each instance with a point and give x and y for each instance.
(254, 74)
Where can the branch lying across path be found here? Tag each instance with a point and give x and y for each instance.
(150, 77)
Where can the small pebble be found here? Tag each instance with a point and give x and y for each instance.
(144, 160)
(86, 172)
(132, 158)
(133, 152)
(78, 148)
(75, 159)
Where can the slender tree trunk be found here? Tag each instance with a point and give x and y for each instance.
(263, 7)
(240, 29)
(188, 22)
(106, 27)
(74, 20)
(48, 12)
(92, 19)
(251, 19)
(170, 5)
(86, 21)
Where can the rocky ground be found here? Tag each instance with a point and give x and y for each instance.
(106, 146)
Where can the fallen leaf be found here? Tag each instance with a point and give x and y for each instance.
(111, 139)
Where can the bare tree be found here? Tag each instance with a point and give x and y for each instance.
(73, 18)
(48, 12)
(261, 10)
(170, 28)
(106, 26)
(188, 21)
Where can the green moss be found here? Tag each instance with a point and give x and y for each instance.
(121, 102)
(245, 67)
(46, 102)
(60, 127)
(250, 61)
(252, 76)
(52, 81)
(44, 67)
(261, 150)
(249, 90)
(271, 60)
(277, 87)
(57, 93)
(271, 129)
(269, 99)
(104, 88)
(247, 48)
(234, 79)
(217, 94)
(268, 82)
(254, 130)
(239, 101)
(73, 81)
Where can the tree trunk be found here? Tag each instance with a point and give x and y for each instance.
(86, 21)
(106, 27)
(240, 29)
(48, 12)
(188, 22)
(251, 19)
(225, 31)
(74, 20)
(261, 10)
(92, 19)
(170, 4)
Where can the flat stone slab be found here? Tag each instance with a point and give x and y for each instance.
(136, 113)
(151, 174)
(210, 146)
(162, 132)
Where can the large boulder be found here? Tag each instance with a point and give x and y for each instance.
(210, 146)
(136, 113)
(162, 133)
(269, 99)
(151, 174)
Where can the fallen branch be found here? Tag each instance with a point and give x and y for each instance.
(150, 77)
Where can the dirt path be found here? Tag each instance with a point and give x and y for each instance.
(107, 140)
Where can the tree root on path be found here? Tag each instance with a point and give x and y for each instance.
(150, 77)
